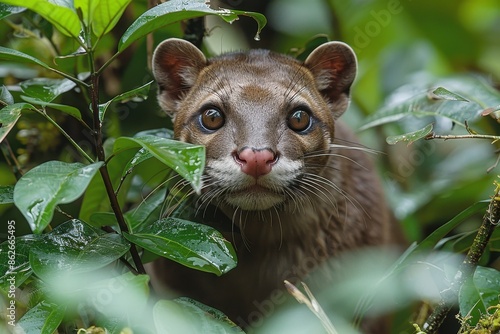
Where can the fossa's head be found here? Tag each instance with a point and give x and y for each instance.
(266, 119)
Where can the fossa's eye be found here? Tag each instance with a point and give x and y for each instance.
(299, 120)
(212, 119)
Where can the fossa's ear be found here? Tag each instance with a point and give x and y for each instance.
(176, 65)
(334, 67)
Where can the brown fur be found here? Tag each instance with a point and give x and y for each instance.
(313, 221)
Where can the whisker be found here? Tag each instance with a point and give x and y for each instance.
(336, 155)
(356, 148)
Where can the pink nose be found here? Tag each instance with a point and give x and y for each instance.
(255, 162)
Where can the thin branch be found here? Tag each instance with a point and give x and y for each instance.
(490, 220)
(470, 136)
(66, 135)
(11, 159)
(115, 205)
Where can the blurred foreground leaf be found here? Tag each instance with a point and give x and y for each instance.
(44, 318)
(459, 98)
(184, 315)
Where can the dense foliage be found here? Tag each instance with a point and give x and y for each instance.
(91, 187)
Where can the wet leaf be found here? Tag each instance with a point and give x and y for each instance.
(479, 293)
(46, 89)
(20, 269)
(194, 245)
(55, 183)
(9, 116)
(175, 11)
(6, 194)
(411, 136)
(44, 318)
(139, 93)
(143, 154)
(73, 248)
(186, 159)
(60, 14)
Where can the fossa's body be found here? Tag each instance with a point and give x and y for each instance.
(293, 188)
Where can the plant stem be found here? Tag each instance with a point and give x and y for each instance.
(66, 135)
(470, 136)
(313, 305)
(115, 206)
(490, 220)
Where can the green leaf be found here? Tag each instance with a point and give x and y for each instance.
(161, 132)
(44, 318)
(214, 318)
(106, 15)
(5, 96)
(186, 159)
(194, 245)
(59, 13)
(143, 154)
(466, 98)
(100, 219)
(479, 293)
(175, 11)
(41, 189)
(70, 110)
(7, 10)
(73, 248)
(137, 94)
(46, 89)
(9, 116)
(14, 260)
(432, 240)
(441, 93)
(101, 15)
(147, 211)
(411, 136)
(6, 194)
(123, 297)
(14, 55)
(184, 315)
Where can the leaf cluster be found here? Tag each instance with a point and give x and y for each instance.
(78, 273)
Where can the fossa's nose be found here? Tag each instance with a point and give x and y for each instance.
(256, 162)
